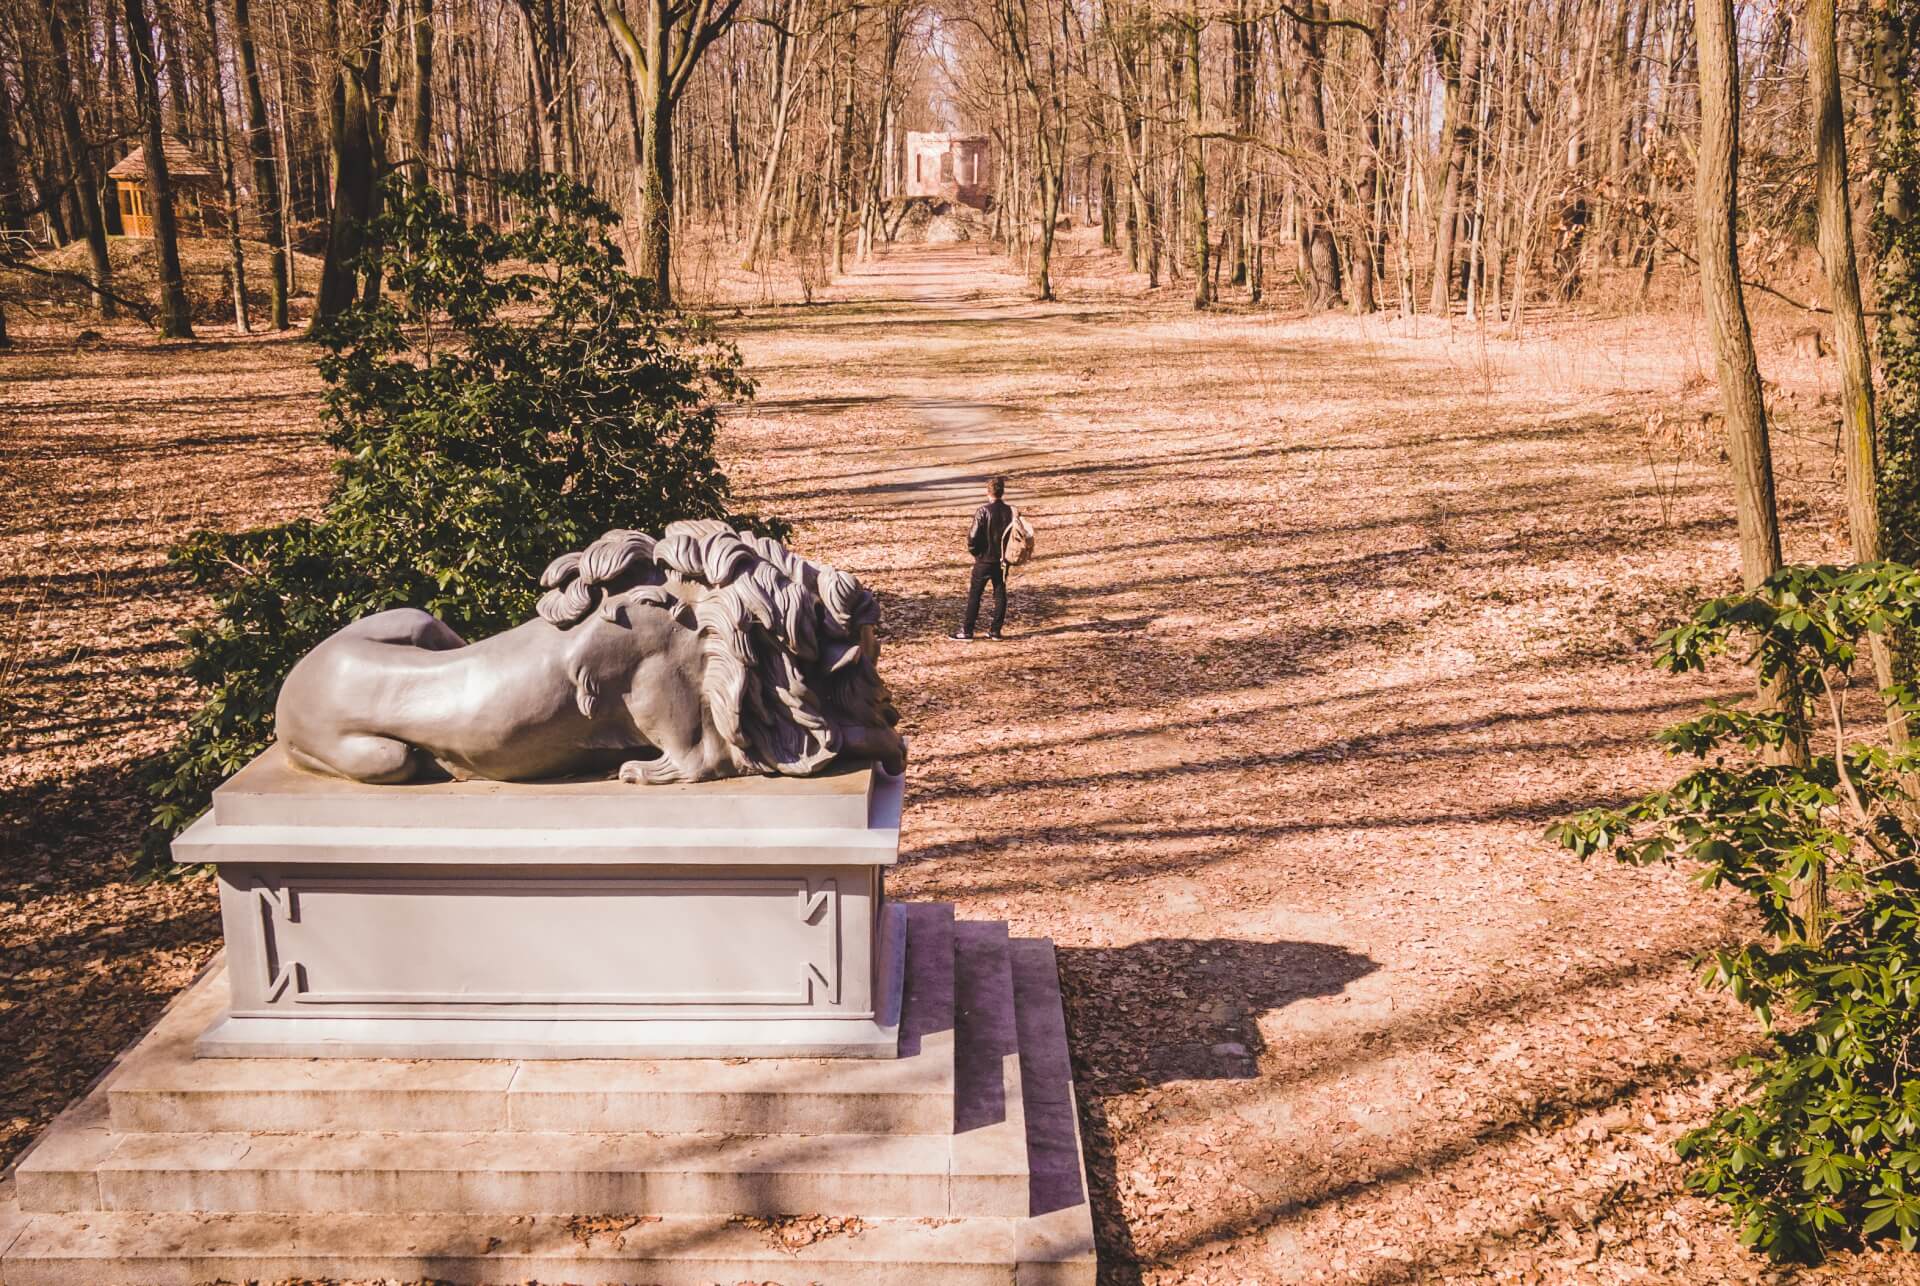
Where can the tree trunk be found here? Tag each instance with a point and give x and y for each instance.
(1257, 269)
(1133, 152)
(1575, 211)
(173, 68)
(236, 255)
(546, 69)
(459, 191)
(260, 148)
(1367, 256)
(93, 219)
(843, 150)
(1108, 229)
(1310, 118)
(350, 130)
(656, 191)
(1463, 52)
(870, 189)
(1843, 279)
(176, 320)
(379, 97)
(1896, 162)
(1244, 49)
(1835, 217)
(1050, 185)
(1717, 183)
(656, 66)
(1195, 91)
(422, 140)
(1717, 202)
(786, 86)
(13, 216)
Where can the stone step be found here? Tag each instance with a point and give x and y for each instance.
(114, 1249)
(506, 1172)
(1054, 1243)
(989, 1123)
(163, 1088)
(1001, 1198)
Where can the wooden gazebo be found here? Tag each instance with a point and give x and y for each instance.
(196, 190)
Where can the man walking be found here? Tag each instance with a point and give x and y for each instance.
(987, 542)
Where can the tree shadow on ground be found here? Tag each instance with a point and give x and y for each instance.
(1174, 1009)
(89, 955)
(1177, 1009)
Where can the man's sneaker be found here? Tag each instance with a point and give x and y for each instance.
(961, 636)
(995, 636)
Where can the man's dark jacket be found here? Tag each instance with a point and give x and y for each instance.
(987, 542)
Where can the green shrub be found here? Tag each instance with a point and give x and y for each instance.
(1824, 1148)
(510, 397)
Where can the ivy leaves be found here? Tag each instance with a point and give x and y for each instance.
(1826, 1145)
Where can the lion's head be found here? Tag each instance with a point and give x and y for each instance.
(788, 645)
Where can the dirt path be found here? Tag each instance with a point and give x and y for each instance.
(1329, 619)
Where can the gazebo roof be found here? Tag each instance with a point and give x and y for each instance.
(182, 163)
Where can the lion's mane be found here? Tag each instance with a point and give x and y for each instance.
(789, 645)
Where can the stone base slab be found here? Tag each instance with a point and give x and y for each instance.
(181, 1250)
(957, 1162)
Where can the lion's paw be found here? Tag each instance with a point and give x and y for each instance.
(649, 772)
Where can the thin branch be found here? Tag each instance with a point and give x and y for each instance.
(1352, 24)
(1757, 285)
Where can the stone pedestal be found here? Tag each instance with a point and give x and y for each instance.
(585, 919)
(505, 983)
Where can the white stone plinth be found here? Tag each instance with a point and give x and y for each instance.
(957, 1163)
(584, 919)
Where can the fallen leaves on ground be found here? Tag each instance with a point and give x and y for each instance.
(1330, 617)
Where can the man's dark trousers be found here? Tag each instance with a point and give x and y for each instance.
(987, 570)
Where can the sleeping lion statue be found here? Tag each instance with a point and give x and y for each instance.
(706, 653)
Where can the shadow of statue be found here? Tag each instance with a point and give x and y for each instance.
(1173, 1009)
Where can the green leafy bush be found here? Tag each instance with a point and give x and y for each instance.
(1824, 1147)
(510, 397)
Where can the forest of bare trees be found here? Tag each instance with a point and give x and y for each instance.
(1425, 155)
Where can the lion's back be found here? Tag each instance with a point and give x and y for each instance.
(316, 699)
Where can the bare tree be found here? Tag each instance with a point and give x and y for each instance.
(659, 60)
(175, 317)
(1718, 203)
(353, 139)
(260, 148)
(80, 159)
(1835, 217)
(1032, 35)
(1317, 249)
(236, 256)
(422, 137)
(797, 37)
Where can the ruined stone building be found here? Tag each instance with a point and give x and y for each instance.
(956, 168)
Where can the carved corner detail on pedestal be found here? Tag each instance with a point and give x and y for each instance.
(821, 906)
(277, 906)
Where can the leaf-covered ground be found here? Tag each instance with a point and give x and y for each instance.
(1330, 617)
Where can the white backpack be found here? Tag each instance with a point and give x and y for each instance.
(1019, 543)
